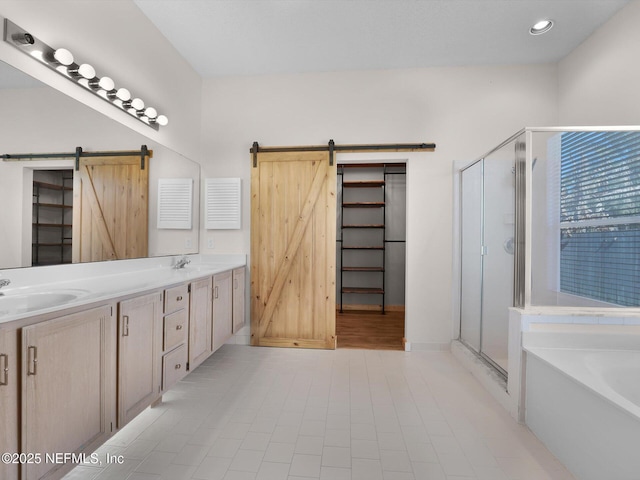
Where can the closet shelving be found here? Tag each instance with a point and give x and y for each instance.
(373, 196)
(52, 228)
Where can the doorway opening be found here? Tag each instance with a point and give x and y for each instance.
(371, 226)
(52, 221)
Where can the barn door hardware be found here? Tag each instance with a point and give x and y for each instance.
(332, 148)
(77, 155)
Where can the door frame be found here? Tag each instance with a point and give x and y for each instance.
(408, 158)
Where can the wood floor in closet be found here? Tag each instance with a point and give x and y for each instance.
(370, 329)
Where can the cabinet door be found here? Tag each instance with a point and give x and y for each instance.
(238, 299)
(67, 372)
(9, 401)
(200, 340)
(140, 349)
(222, 304)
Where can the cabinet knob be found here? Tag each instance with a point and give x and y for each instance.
(178, 366)
(178, 327)
(179, 298)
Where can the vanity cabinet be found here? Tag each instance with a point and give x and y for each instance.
(68, 397)
(175, 335)
(9, 418)
(200, 326)
(222, 308)
(238, 299)
(140, 332)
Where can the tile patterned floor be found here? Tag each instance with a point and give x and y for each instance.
(252, 413)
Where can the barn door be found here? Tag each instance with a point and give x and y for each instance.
(110, 208)
(293, 241)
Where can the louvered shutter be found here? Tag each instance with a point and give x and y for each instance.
(222, 203)
(175, 203)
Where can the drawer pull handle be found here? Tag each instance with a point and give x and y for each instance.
(32, 357)
(178, 366)
(125, 326)
(5, 369)
(178, 327)
(179, 298)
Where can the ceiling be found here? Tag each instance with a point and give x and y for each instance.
(255, 37)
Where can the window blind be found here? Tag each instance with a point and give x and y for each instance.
(600, 216)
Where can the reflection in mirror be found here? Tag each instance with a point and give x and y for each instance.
(38, 119)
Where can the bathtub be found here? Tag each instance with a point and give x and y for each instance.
(582, 399)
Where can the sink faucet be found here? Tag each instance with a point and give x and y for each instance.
(182, 262)
(4, 282)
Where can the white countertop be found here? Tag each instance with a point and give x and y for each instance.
(40, 290)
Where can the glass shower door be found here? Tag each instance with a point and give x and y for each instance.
(498, 253)
(487, 231)
(471, 188)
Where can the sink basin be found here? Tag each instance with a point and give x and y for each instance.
(15, 303)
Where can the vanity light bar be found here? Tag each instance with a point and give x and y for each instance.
(62, 61)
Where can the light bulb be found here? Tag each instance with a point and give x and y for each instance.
(151, 112)
(104, 83)
(137, 104)
(123, 94)
(162, 120)
(63, 57)
(85, 71)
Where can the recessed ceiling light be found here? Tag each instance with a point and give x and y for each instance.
(543, 26)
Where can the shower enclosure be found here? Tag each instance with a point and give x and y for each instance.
(488, 245)
(551, 217)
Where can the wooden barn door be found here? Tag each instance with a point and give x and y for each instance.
(293, 242)
(110, 208)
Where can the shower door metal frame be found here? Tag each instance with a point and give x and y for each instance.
(461, 190)
(522, 248)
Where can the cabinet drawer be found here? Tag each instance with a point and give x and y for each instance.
(175, 329)
(174, 366)
(176, 298)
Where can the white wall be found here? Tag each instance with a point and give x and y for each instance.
(599, 82)
(465, 111)
(120, 42)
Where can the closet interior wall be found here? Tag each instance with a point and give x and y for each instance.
(371, 226)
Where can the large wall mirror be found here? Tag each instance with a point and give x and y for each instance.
(38, 119)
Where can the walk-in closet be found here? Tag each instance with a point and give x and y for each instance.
(52, 216)
(371, 255)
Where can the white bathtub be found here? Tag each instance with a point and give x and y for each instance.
(620, 372)
(584, 404)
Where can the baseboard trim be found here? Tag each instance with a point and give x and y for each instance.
(372, 308)
(428, 347)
